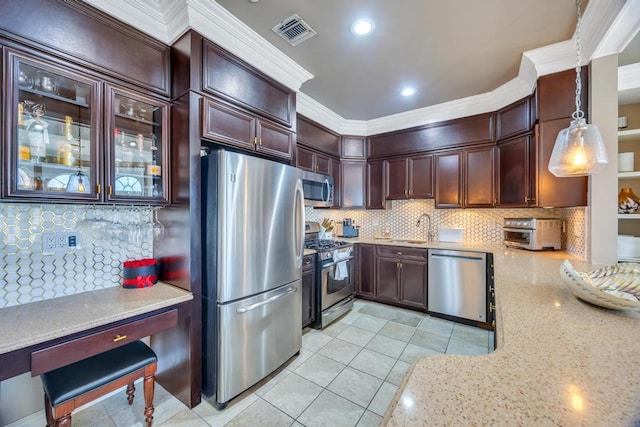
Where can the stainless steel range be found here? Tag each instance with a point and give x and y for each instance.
(335, 275)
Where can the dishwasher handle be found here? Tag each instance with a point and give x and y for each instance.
(458, 257)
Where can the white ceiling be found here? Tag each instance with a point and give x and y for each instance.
(464, 57)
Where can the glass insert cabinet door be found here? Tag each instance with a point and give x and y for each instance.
(51, 131)
(137, 166)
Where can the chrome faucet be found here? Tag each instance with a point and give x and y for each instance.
(429, 232)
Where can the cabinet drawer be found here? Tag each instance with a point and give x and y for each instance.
(402, 252)
(72, 351)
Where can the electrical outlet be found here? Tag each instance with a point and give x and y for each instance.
(59, 242)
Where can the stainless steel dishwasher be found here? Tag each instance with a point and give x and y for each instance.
(458, 284)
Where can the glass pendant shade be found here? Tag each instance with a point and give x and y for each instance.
(579, 150)
(78, 183)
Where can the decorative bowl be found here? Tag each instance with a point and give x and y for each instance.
(616, 286)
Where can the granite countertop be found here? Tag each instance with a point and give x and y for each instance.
(28, 324)
(559, 361)
(309, 251)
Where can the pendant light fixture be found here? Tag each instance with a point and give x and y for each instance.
(579, 149)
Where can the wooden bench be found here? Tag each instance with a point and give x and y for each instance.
(71, 386)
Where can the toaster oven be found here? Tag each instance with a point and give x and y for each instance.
(534, 234)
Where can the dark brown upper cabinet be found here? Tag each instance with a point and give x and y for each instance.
(353, 175)
(449, 180)
(515, 160)
(137, 168)
(514, 119)
(78, 32)
(410, 178)
(376, 185)
(313, 161)
(556, 94)
(354, 147)
(51, 130)
(479, 177)
(465, 178)
(57, 147)
(449, 134)
(227, 77)
(317, 137)
(336, 173)
(227, 124)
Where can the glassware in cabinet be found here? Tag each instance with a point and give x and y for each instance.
(138, 146)
(51, 131)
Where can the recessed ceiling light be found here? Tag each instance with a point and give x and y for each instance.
(408, 91)
(362, 27)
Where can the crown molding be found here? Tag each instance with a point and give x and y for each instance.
(146, 16)
(607, 26)
(309, 107)
(621, 31)
(217, 24)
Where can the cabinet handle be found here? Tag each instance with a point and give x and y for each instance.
(492, 307)
(493, 323)
(98, 188)
(410, 192)
(406, 193)
(109, 190)
(255, 140)
(119, 338)
(397, 265)
(399, 253)
(316, 168)
(491, 289)
(529, 199)
(260, 141)
(400, 264)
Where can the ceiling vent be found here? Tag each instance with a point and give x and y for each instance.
(294, 30)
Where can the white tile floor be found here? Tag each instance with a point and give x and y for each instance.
(345, 375)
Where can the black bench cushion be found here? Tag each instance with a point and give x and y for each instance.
(78, 378)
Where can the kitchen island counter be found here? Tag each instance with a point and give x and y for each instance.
(28, 324)
(559, 361)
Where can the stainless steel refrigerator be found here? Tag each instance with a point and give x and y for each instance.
(253, 235)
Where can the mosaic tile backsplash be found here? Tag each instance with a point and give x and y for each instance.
(480, 225)
(107, 236)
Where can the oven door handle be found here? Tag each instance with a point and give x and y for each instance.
(518, 230)
(336, 262)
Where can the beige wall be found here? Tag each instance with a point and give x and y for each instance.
(602, 215)
(632, 112)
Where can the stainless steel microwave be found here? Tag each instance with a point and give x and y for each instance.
(317, 189)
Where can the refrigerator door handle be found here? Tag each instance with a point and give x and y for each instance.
(299, 225)
(267, 301)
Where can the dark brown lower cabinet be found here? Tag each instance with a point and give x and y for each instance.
(413, 282)
(366, 262)
(387, 278)
(308, 289)
(401, 276)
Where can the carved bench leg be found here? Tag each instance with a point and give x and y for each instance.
(149, 383)
(131, 389)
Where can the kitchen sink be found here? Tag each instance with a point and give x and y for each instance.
(410, 241)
